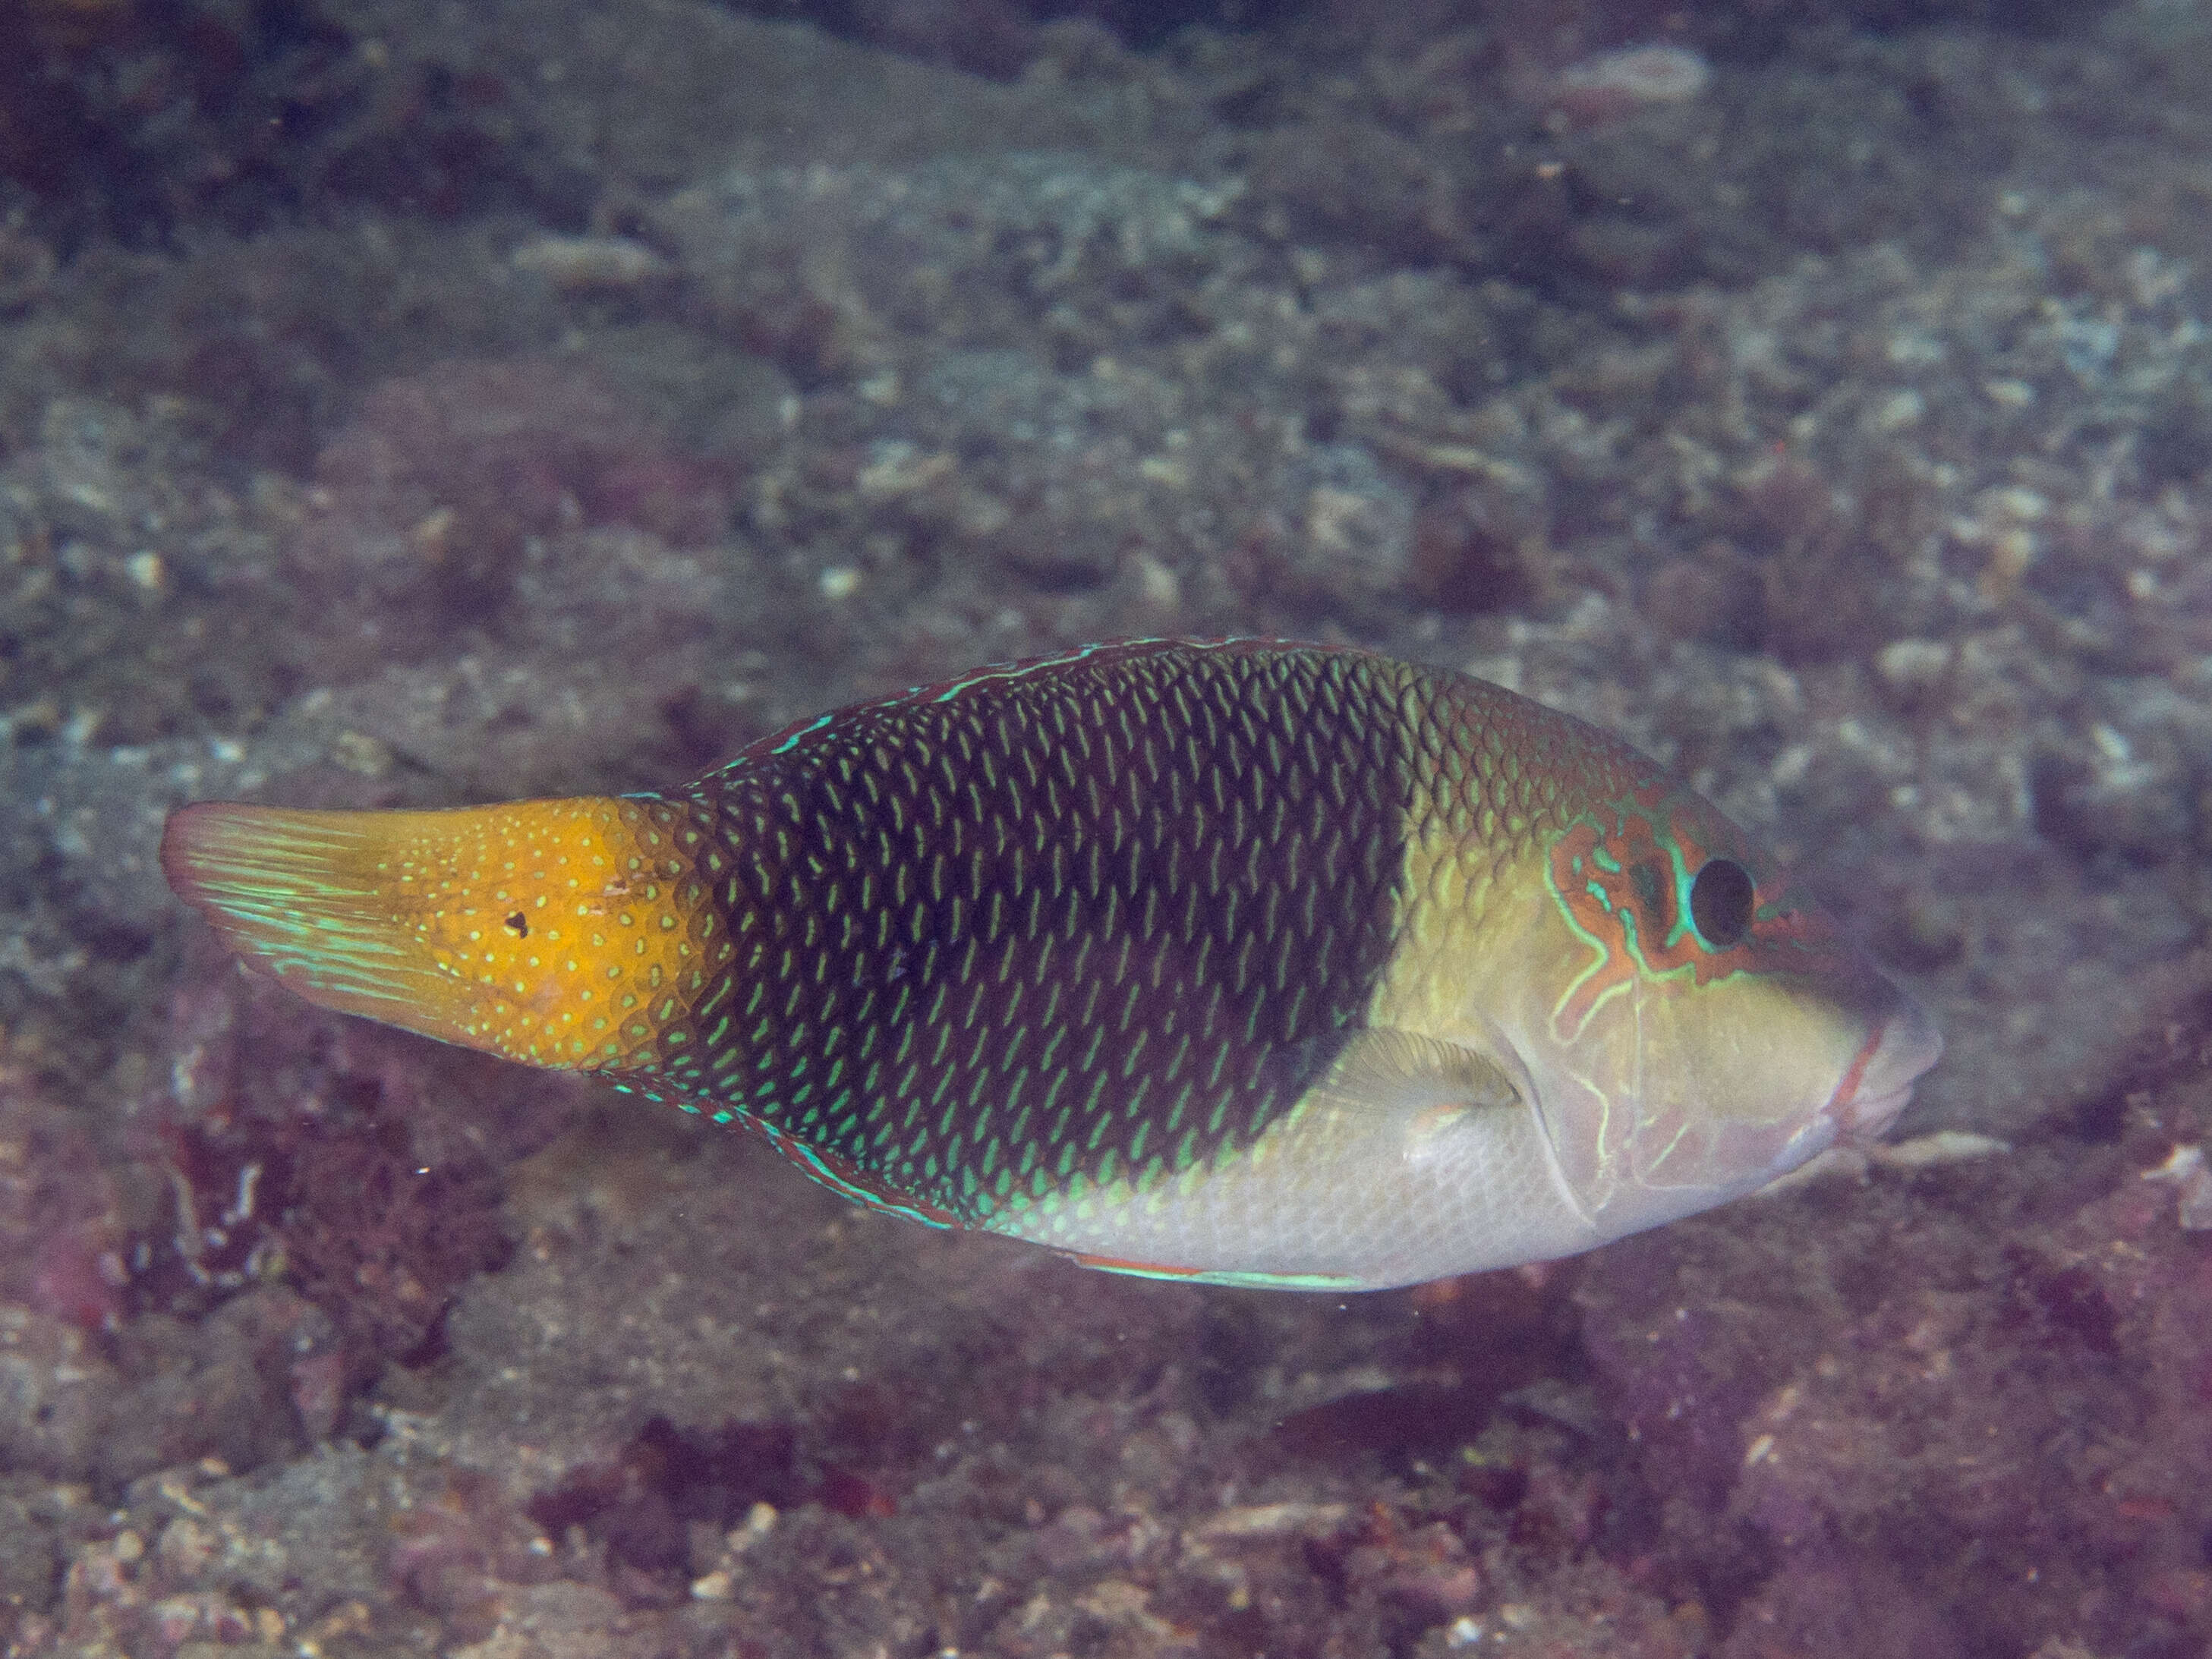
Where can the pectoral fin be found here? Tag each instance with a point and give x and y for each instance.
(1424, 1079)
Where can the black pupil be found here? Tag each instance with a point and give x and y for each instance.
(1720, 902)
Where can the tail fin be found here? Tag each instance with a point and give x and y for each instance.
(561, 933)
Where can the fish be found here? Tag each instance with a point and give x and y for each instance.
(1241, 962)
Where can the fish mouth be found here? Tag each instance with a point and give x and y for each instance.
(1879, 1083)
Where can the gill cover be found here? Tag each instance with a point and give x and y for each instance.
(1710, 1028)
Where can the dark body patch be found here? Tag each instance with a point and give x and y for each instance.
(1104, 916)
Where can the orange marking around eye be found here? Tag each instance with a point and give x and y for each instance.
(1636, 928)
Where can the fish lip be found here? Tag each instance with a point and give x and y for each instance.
(1879, 1082)
(1869, 1117)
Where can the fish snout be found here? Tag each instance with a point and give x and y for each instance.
(1901, 1049)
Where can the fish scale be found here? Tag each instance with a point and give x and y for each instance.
(1156, 898)
(1245, 961)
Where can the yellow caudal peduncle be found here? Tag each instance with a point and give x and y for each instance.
(572, 932)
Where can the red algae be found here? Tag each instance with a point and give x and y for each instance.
(64, 1229)
(355, 1168)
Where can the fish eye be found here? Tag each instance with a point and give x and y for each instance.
(1720, 903)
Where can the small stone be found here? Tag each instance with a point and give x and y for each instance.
(1901, 409)
(360, 754)
(1913, 665)
(759, 1522)
(1156, 584)
(2192, 1186)
(897, 468)
(184, 1550)
(1633, 76)
(1944, 1146)
(582, 264)
(1272, 1520)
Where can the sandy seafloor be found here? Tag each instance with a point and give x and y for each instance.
(418, 403)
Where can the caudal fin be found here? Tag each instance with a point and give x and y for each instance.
(561, 933)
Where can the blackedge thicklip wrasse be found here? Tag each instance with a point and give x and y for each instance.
(1246, 961)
